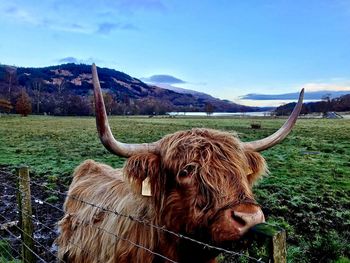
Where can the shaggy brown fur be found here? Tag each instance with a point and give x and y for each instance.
(196, 179)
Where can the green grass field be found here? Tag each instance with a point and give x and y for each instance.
(307, 192)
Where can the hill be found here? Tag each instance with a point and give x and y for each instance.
(66, 90)
(337, 104)
(186, 91)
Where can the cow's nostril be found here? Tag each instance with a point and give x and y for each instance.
(238, 219)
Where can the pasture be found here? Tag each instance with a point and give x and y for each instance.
(307, 191)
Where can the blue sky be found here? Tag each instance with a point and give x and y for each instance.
(226, 48)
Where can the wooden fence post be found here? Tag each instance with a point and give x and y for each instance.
(272, 241)
(25, 207)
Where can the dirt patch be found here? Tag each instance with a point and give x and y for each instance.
(45, 214)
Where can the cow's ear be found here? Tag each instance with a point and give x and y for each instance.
(140, 166)
(256, 166)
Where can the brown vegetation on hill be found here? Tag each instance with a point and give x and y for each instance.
(66, 90)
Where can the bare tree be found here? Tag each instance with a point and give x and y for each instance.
(109, 102)
(126, 102)
(61, 85)
(327, 99)
(209, 108)
(6, 105)
(37, 85)
(11, 77)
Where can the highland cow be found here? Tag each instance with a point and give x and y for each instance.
(197, 183)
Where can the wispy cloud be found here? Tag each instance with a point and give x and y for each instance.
(309, 95)
(326, 86)
(129, 26)
(72, 28)
(106, 16)
(52, 20)
(75, 60)
(111, 6)
(68, 60)
(20, 15)
(164, 79)
(107, 28)
(133, 5)
(313, 90)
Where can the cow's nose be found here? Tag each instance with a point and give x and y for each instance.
(245, 217)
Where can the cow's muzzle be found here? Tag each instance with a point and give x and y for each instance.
(244, 218)
(234, 222)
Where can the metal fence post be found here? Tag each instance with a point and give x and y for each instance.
(25, 207)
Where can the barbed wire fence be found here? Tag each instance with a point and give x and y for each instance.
(39, 245)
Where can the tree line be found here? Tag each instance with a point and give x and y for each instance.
(25, 95)
(327, 104)
(76, 105)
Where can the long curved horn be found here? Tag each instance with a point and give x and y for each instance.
(104, 131)
(279, 135)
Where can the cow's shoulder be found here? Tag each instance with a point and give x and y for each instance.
(91, 168)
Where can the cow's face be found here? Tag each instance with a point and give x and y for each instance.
(201, 183)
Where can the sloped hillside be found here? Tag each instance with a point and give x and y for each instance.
(66, 90)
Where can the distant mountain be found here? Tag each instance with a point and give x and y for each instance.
(66, 90)
(198, 94)
(341, 103)
(309, 95)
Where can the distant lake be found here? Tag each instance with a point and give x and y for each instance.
(256, 114)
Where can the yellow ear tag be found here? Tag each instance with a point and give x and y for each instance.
(249, 171)
(146, 187)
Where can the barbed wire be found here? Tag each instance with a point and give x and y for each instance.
(54, 231)
(46, 227)
(147, 223)
(26, 234)
(113, 234)
(144, 222)
(7, 243)
(95, 226)
(38, 222)
(14, 236)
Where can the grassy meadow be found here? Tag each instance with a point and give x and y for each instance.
(307, 191)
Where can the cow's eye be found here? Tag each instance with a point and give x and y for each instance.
(183, 173)
(186, 171)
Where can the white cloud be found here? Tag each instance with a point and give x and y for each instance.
(75, 60)
(59, 19)
(326, 86)
(20, 15)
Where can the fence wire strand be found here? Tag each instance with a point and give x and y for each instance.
(7, 243)
(18, 238)
(32, 238)
(116, 236)
(94, 226)
(144, 222)
(46, 227)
